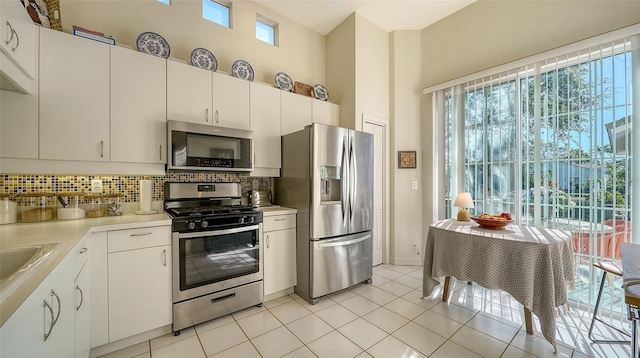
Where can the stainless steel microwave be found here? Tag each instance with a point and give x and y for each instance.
(204, 147)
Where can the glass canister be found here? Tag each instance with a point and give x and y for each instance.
(35, 208)
(97, 206)
(114, 204)
(70, 209)
(8, 209)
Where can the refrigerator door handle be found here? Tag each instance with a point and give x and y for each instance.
(352, 180)
(344, 179)
(345, 243)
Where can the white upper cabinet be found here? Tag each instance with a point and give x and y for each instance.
(230, 102)
(138, 106)
(265, 124)
(204, 97)
(18, 46)
(189, 93)
(295, 112)
(326, 113)
(74, 97)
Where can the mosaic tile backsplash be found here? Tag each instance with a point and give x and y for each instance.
(126, 185)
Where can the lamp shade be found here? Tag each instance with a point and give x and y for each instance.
(463, 200)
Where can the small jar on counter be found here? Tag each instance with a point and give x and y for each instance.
(70, 206)
(8, 209)
(35, 208)
(114, 204)
(97, 205)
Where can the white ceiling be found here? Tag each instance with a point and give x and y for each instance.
(324, 15)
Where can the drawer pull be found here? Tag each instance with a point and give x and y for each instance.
(83, 250)
(279, 219)
(143, 234)
(226, 297)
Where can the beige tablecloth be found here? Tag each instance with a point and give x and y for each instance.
(534, 265)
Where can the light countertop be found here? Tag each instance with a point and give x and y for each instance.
(66, 232)
(276, 210)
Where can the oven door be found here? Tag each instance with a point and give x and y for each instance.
(210, 261)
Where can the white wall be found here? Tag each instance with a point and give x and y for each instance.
(405, 94)
(301, 51)
(341, 68)
(372, 71)
(489, 33)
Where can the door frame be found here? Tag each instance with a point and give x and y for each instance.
(384, 123)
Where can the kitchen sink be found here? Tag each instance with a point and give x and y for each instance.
(17, 264)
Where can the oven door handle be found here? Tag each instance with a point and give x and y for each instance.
(218, 232)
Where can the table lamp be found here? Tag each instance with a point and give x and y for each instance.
(463, 201)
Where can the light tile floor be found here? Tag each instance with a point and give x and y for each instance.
(388, 318)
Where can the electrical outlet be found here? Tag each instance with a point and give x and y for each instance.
(96, 186)
(256, 185)
(414, 247)
(414, 185)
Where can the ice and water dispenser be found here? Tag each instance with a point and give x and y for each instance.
(330, 183)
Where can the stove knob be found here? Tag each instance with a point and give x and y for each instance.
(204, 224)
(241, 220)
(191, 225)
(252, 219)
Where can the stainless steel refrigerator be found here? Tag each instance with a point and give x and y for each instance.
(327, 175)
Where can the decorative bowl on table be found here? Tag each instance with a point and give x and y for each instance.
(495, 222)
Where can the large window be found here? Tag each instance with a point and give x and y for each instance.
(550, 142)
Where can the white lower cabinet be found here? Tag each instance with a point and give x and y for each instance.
(280, 253)
(82, 313)
(44, 325)
(82, 298)
(139, 280)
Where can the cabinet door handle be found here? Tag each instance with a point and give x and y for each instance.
(101, 149)
(11, 32)
(13, 49)
(164, 257)
(142, 234)
(81, 298)
(206, 115)
(160, 151)
(83, 250)
(48, 306)
(267, 241)
(217, 117)
(53, 320)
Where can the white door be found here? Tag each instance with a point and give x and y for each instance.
(379, 229)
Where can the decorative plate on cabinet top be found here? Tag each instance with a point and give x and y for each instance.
(284, 82)
(153, 44)
(321, 92)
(242, 69)
(203, 58)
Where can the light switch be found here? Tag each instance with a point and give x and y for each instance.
(414, 185)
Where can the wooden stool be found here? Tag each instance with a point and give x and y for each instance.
(614, 268)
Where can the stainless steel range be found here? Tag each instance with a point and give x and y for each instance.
(217, 260)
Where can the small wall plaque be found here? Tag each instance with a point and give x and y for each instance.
(406, 159)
